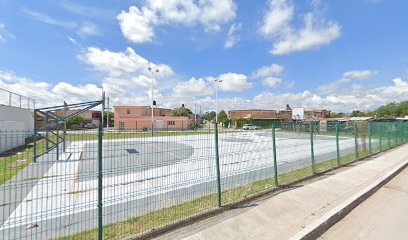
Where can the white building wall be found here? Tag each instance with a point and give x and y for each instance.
(15, 125)
(298, 113)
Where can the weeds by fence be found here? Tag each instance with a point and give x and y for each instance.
(116, 185)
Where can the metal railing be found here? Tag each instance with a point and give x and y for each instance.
(116, 185)
(11, 99)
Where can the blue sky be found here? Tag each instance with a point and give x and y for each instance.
(340, 55)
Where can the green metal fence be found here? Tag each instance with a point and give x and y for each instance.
(116, 185)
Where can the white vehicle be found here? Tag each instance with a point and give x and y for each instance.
(250, 127)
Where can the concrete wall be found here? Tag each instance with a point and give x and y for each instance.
(15, 125)
(15, 114)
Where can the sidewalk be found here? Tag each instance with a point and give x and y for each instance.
(304, 211)
(383, 216)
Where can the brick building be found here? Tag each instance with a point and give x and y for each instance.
(140, 117)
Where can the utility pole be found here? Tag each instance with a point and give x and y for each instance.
(153, 103)
(103, 105)
(107, 124)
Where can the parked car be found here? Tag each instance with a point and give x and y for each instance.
(250, 127)
(91, 126)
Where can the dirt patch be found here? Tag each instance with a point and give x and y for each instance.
(17, 163)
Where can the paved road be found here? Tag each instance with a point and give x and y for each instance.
(383, 216)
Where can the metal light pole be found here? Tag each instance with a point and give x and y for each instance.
(107, 117)
(216, 99)
(102, 107)
(152, 72)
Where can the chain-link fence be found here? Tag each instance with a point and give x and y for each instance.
(117, 185)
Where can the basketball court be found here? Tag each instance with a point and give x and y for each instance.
(141, 175)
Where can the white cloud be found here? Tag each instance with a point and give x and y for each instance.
(360, 74)
(270, 75)
(193, 88)
(126, 73)
(358, 97)
(271, 81)
(2, 26)
(45, 93)
(87, 11)
(72, 40)
(333, 86)
(48, 19)
(277, 18)
(138, 25)
(5, 35)
(234, 82)
(232, 37)
(290, 84)
(89, 29)
(267, 71)
(85, 29)
(117, 64)
(314, 32)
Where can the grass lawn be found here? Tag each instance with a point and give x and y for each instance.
(13, 161)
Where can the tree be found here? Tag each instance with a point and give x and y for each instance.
(77, 120)
(182, 112)
(209, 116)
(336, 115)
(223, 118)
(358, 113)
(105, 118)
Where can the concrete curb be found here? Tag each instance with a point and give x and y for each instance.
(321, 225)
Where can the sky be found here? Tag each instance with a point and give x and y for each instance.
(322, 54)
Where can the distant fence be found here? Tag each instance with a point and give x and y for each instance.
(116, 185)
(12, 99)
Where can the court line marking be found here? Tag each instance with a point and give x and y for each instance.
(71, 189)
(161, 149)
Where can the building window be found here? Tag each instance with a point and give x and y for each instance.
(96, 115)
(128, 111)
(171, 123)
(121, 126)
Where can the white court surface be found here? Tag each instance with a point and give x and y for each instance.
(61, 193)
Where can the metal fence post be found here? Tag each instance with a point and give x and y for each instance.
(35, 138)
(369, 138)
(356, 140)
(47, 146)
(58, 140)
(100, 186)
(312, 148)
(389, 137)
(217, 162)
(337, 143)
(275, 166)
